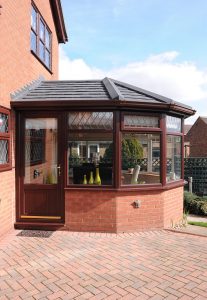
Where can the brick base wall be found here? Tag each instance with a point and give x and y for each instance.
(108, 211)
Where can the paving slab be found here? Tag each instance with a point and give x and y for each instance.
(68, 265)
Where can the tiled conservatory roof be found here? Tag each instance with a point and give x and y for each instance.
(86, 90)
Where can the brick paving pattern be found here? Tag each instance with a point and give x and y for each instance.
(66, 265)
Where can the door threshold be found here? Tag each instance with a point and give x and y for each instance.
(39, 226)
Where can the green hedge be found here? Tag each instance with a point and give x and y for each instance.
(194, 204)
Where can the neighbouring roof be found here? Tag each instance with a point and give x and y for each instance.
(59, 20)
(204, 119)
(93, 90)
(187, 127)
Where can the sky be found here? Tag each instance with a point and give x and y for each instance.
(158, 45)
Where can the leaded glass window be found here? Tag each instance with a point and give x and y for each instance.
(4, 139)
(140, 121)
(4, 122)
(173, 124)
(91, 120)
(4, 152)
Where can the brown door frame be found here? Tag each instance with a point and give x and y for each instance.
(20, 162)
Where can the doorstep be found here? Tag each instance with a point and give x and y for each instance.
(39, 226)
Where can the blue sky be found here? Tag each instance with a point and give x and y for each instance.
(159, 45)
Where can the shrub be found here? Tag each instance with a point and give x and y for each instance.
(194, 204)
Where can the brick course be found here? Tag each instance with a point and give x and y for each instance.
(19, 67)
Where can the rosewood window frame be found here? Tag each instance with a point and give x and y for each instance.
(176, 134)
(39, 39)
(82, 186)
(6, 136)
(142, 130)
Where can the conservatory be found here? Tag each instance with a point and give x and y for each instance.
(98, 155)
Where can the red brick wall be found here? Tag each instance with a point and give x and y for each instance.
(19, 67)
(90, 211)
(197, 138)
(109, 211)
(173, 207)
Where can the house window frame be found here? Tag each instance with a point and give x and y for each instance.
(39, 40)
(6, 136)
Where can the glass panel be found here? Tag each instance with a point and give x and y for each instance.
(90, 158)
(41, 51)
(41, 151)
(140, 121)
(91, 120)
(4, 152)
(47, 59)
(33, 42)
(173, 124)
(34, 19)
(4, 123)
(173, 158)
(42, 30)
(140, 158)
(47, 39)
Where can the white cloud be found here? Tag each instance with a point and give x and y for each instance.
(182, 81)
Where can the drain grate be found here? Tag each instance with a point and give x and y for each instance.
(35, 233)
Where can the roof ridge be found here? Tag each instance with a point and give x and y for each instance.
(18, 94)
(113, 91)
(144, 92)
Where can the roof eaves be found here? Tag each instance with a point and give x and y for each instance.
(59, 21)
(112, 89)
(19, 94)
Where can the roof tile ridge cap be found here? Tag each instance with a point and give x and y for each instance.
(113, 91)
(145, 92)
(25, 89)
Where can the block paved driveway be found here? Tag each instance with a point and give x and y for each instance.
(153, 265)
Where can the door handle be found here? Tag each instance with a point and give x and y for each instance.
(59, 170)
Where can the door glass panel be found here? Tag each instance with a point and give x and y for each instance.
(41, 151)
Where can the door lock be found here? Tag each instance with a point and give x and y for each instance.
(59, 170)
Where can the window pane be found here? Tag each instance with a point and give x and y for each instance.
(47, 39)
(91, 120)
(90, 158)
(4, 123)
(33, 42)
(42, 30)
(4, 152)
(173, 158)
(47, 59)
(140, 121)
(41, 151)
(173, 124)
(34, 19)
(140, 158)
(41, 51)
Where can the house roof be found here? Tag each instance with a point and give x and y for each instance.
(187, 127)
(108, 90)
(204, 119)
(59, 20)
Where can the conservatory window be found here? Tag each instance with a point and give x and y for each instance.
(140, 158)
(90, 148)
(173, 158)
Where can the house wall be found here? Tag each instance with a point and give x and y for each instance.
(111, 211)
(19, 67)
(197, 138)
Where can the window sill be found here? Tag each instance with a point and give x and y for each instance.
(37, 57)
(132, 188)
(4, 168)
